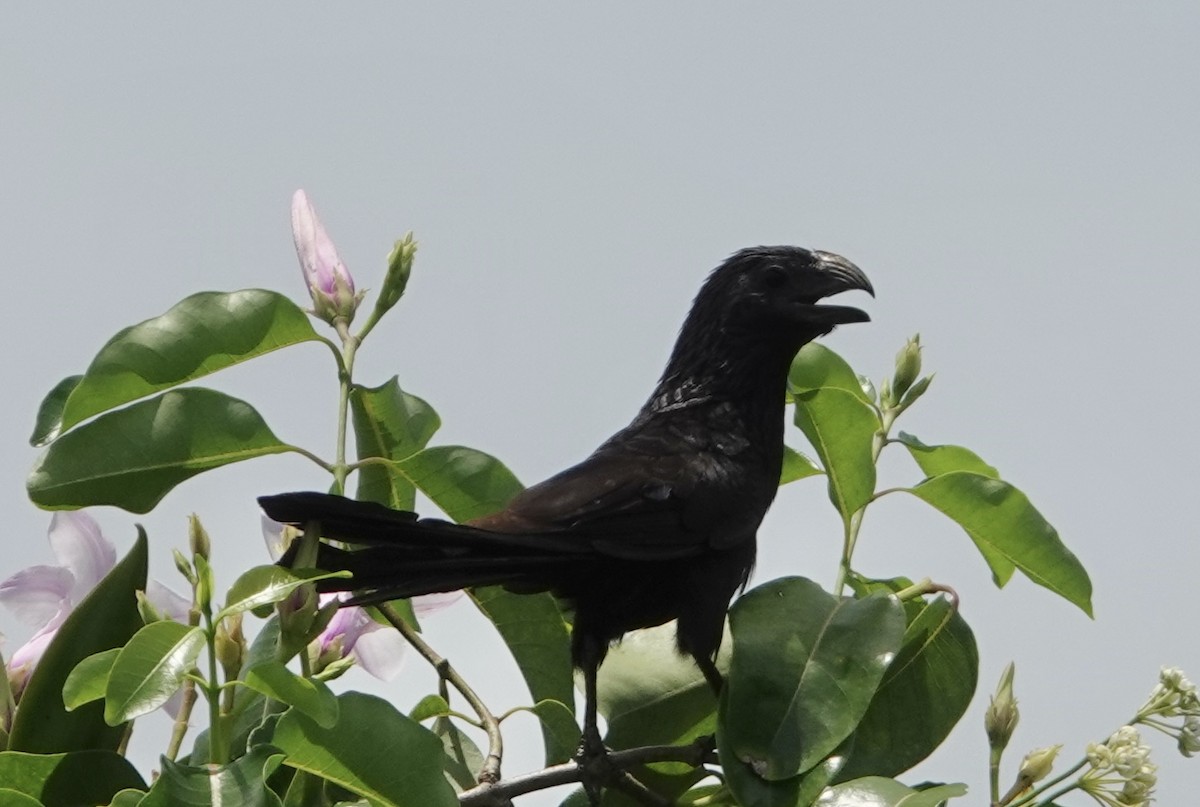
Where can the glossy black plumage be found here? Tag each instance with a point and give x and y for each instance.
(660, 522)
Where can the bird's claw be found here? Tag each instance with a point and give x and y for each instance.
(596, 769)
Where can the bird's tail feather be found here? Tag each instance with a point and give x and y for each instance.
(404, 556)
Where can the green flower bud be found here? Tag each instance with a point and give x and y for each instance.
(400, 262)
(146, 609)
(908, 366)
(204, 582)
(1038, 764)
(1002, 714)
(198, 540)
(915, 392)
(230, 645)
(184, 566)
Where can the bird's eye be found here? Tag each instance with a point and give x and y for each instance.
(775, 277)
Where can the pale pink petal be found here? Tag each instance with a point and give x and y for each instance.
(174, 704)
(26, 657)
(428, 604)
(36, 594)
(77, 542)
(318, 256)
(380, 651)
(168, 602)
(272, 532)
(348, 624)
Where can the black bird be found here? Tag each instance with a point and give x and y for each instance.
(660, 522)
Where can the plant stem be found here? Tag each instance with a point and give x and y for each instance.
(1033, 794)
(179, 729)
(345, 379)
(218, 750)
(852, 525)
(490, 772)
(994, 774)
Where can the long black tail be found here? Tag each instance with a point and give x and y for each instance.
(401, 555)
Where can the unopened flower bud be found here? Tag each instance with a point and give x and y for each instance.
(400, 263)
(198, 540)
(908, 366)
(146, 609)
(1002, 714)
(1038, 764)
(915, 392)
(329, 282)
(230, 645)
(1189, 737)
(886, 399)
(184, 566)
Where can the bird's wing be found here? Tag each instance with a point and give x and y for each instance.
(628, 506)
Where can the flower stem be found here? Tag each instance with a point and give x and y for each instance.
(1029, 797)
(345, 379)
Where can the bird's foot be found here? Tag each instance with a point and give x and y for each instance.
(596, 769)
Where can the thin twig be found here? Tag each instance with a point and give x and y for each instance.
(489, 774)
(694, 754)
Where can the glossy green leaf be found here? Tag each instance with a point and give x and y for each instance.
(944, 459)
(796, 466)
(241, 782)
(389, 423)
(67, 780)
(265, 585)
(805, 667)
(149, 669)
(133, 457)
(752, 790)
(463, 759)
(876, 791)
(463, 482)
(363, 752)
(923, 694)
(49, 415)
(89, 679)
(816, 367)
(313, 698)
(106, 618)
(536, 632)
(841, 429)
(1003, 524)
(651, 695)
(129, 797)
(13, 798)
(199, 335)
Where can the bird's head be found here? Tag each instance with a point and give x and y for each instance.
(775, 293)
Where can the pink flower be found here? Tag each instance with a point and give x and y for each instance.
(44, 596)
(329, 282)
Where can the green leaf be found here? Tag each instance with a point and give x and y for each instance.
(842, 430)
(1004, 525)
(88, 680)
(805, 667)
(199, 335)
(241, 782)
(133, 457)
(49, 415)
(149, 669)
(67, 780)
(364, 750)
(306, 695)
(935, 460)
(13, 798)
(106, 618)
(796, 466)
(752, 790)
(817, 367)
(463, 482)
(876, 791)
(463, 759)
(429, 706)
(265, 585)
(923, 694)
(651, 695)
(389, 423)
(129, 797)
(533, 627)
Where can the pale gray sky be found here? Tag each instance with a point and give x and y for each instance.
(1021, 182)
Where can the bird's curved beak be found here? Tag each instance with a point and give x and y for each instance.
(835, 275)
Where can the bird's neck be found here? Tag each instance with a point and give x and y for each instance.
(746, 379)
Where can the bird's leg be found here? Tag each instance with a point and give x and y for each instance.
(592, 756)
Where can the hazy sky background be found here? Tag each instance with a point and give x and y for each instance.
(1021, 182)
